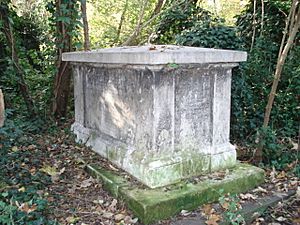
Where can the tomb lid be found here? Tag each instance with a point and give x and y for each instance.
(156, 55)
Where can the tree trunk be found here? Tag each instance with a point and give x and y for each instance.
(8, 32)
(63, 76)
(85, 26)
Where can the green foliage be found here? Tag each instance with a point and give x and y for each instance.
(210, 34)
(232, 214)
(35, 58)
(20, 202)
(70, 15)
(252, 84)
(181, 15)
(188, 24)
(105, 18)
(275, 12)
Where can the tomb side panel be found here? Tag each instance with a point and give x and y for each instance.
(119, 104)
(78, 73)
(164, 115)
(221, 106)
(193, 128)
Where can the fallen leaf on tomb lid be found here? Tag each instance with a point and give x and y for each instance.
(151, 48)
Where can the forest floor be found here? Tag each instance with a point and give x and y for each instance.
(46, 183)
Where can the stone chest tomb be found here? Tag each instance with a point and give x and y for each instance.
(161, 113)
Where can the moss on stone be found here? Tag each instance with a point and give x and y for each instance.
(111, 181)
(151, 205)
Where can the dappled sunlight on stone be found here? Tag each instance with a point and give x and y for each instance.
(120, 112)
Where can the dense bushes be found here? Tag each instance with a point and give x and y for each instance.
(36, 59)
(188, 24)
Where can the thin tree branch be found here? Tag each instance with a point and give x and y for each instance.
(254, 25)
(262, 17)
(85, 26)
(138, 26)
(145, 24)
(121, 21)
(281, 60)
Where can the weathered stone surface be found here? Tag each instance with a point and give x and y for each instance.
(151, 205)
(156, 55)
(160, 122)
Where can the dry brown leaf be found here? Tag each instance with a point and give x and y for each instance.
(112, 206)
(87, 182)
(107, 215)
(119, 217)
(207, 209)
(72, 219)
(213, 219)
(260, 189)
(24, 207)
(31, 147)
(281, 175)
(247, 196)
(296, 221)
(225, 205)
(151, 48)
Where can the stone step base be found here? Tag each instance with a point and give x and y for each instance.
(151, 205)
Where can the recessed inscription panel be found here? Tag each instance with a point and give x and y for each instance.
(221, 109)
(163, 123)
(193, 111)
(121, 106)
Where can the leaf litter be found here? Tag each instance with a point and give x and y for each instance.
(76, 198)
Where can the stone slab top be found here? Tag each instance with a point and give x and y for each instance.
(156, 55)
